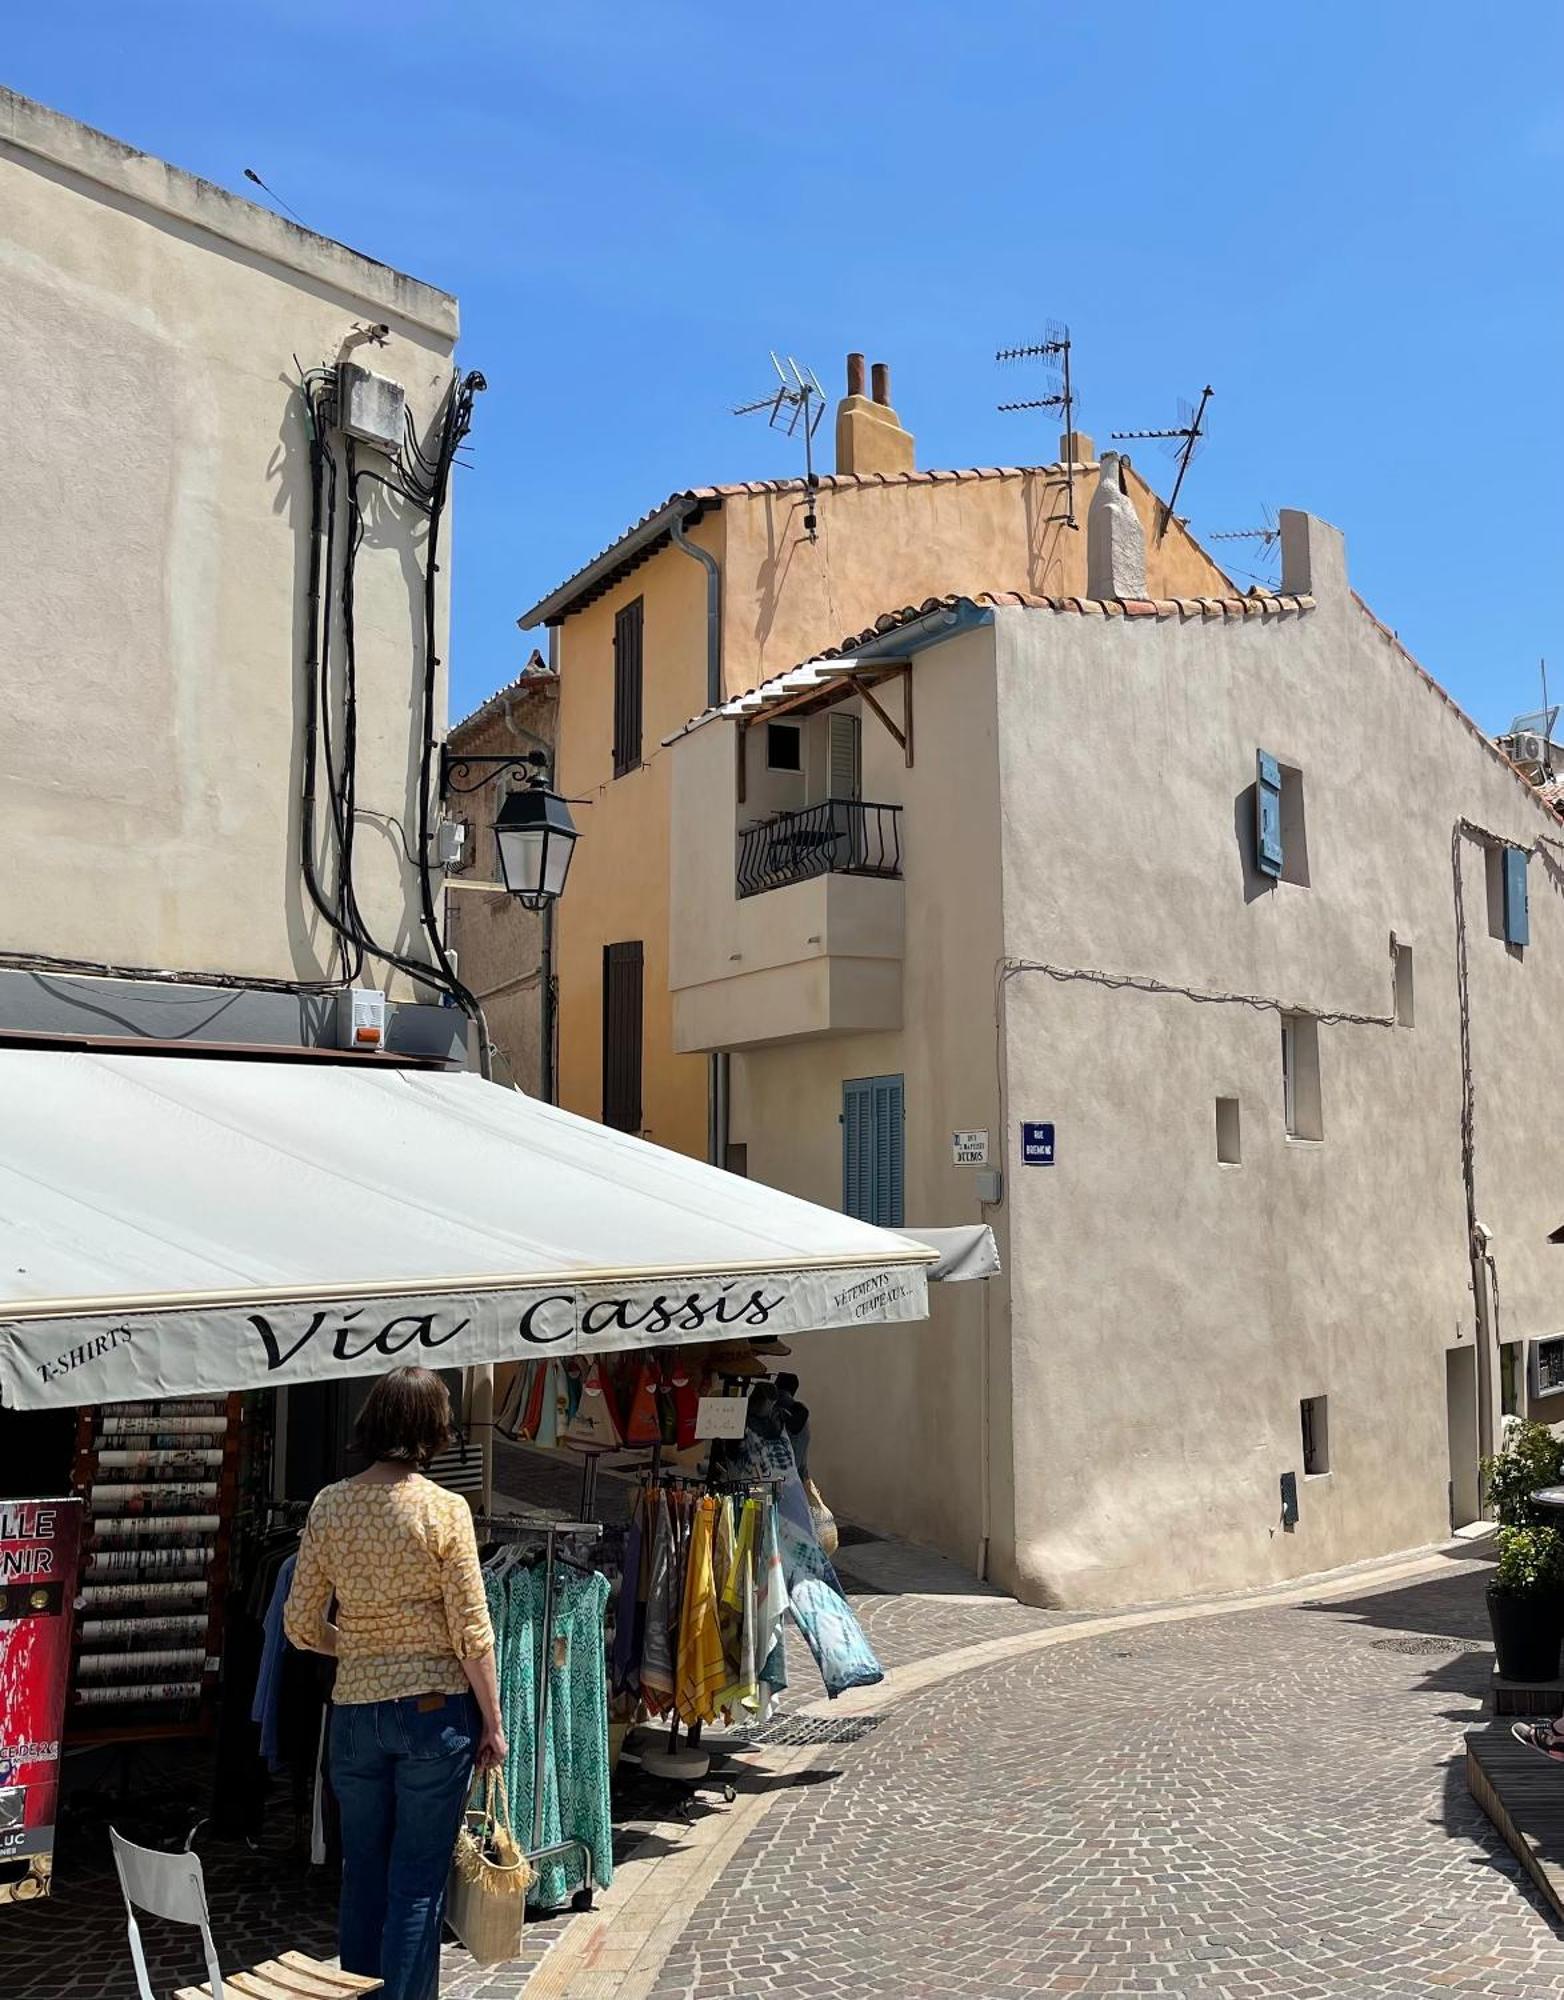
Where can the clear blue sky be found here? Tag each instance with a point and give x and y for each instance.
(1344, 214)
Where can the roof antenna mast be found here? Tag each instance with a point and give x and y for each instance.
(1268, 538)
(1183, 441)
(797, 404)
(1053, 351)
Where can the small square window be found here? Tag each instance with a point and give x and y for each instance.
(1314, 1411)
(1228, 1140)
(1301, 1077)
(784, 747)
(1401, 963)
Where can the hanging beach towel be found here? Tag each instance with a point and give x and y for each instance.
(820, 1610)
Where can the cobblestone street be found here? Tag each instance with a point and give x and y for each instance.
(1268, 1803)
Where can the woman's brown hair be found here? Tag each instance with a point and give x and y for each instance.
(406, 1417)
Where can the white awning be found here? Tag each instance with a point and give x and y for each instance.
(187, 1225)
(963, 1253)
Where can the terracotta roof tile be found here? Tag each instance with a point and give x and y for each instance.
(982, 600)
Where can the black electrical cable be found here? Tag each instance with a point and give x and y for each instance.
(441, 975)
(92, 968)
(314, 694)
(458, 418)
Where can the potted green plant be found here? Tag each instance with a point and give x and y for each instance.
(1526, 1603)
(1526, 1595)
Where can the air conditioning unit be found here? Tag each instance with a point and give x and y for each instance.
(1529, 748)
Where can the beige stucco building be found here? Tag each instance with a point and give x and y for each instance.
(157, 339)
(1297, 1155)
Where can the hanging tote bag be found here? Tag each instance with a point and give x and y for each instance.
(823, 1519)
(486, 1900)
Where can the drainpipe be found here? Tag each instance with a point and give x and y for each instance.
(680, 540)
(717, 1066)
(985, 1435)
(1485, 1287)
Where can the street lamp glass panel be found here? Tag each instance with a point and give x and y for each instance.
(535, 835)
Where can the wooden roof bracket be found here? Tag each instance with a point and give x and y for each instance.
(903, 735)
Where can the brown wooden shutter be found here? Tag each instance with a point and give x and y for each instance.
(627, 689)
(622, 1036)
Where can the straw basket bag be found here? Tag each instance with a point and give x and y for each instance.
(486, 1902)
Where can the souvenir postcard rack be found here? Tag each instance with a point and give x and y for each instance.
(160, 1485)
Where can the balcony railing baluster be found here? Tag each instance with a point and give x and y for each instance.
(836, 837)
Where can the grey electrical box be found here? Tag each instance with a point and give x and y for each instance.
(990, 1182)
(370, 407)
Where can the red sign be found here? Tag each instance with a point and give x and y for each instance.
(39, 1544)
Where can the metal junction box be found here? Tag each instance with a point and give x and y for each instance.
(370, 407)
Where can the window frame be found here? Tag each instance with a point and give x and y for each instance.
(793, 731)
(1303, 1103)
(1314, 1423)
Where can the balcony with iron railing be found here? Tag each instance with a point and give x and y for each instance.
(786, 929)
(836, 837)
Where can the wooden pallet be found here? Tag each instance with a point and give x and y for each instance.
(1525, 1697)
(1523, 1794)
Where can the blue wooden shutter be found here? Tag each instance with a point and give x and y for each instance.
(1268, 813)
(1517, 917)
(873, 1150)
(889, 1153)
(858, 1149)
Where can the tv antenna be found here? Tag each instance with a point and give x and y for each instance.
(1183, 440)
(796, 404)
(251, 175)
(1053, 351)
(1266, 541)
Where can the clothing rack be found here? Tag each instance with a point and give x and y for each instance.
(503, 1528)
(688, 1764)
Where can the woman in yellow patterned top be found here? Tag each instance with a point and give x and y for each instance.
(416, 1700)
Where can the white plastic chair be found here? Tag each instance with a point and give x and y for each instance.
(172, 1886)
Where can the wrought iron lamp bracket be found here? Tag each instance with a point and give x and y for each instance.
(457, 777)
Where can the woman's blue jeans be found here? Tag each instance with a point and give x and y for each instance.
(401, 1771)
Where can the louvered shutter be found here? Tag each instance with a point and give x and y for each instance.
(622, 1036)
(889, 1174)
(846, 757)
(858, 1148)
(1268, 813)
(873, 1150)
(627, 688)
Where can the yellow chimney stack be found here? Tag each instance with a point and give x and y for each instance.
(869, 436)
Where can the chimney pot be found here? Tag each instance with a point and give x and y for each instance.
(870, 439)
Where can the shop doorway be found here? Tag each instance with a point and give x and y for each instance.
(1461, 1433)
